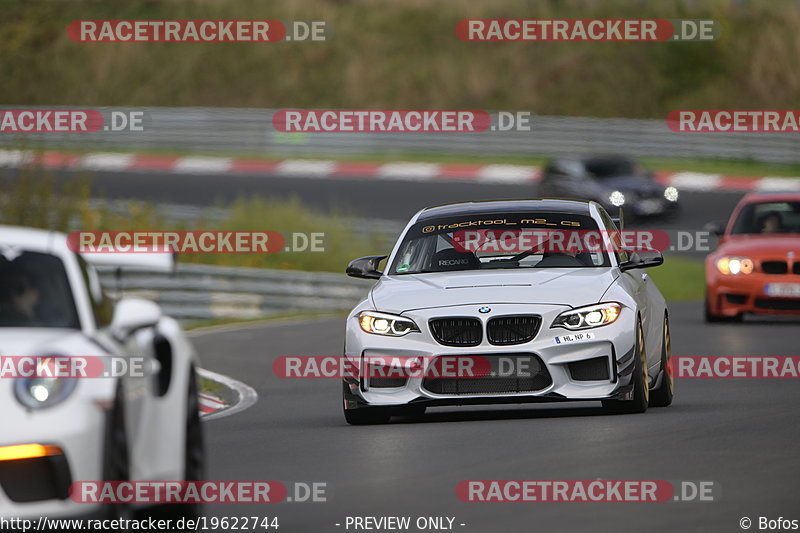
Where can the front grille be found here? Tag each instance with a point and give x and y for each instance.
(506, 330)
(594, 369)
(796, 267)
(509, 373)
(774, 267)
(779, 304)
(457, 331)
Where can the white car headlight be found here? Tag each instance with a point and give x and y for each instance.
(617, 199)
(385, 324)
(41, 392)
(592, 316)
(671, 194)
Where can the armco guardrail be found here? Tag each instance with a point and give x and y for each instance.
(226, 130)
(202, 292)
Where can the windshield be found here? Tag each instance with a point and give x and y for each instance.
(493, 241)
(35, 292)
(768, 217)
(613, 168)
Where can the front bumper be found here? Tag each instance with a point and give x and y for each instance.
(734, 295)
(612, 345)
(32, 488)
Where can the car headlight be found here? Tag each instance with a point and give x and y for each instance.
(734, 265)
(617, 199)
(671, 194)
(385, 324)
(40, 392)
(592, 316)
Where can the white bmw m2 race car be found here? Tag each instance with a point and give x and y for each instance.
(573, 324)
(105, 426)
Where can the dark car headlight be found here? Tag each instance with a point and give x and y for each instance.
(592, 316)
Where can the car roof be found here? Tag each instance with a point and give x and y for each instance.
(32, 239)
(758, 197)
(488, 207)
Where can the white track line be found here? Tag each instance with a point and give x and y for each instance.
(247, 394)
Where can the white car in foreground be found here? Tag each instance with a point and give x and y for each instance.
(585, 326)
(142, 425)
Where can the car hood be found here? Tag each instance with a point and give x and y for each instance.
(761, 245)
(571, 287)
(638, 184)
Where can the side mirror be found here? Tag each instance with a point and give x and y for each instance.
(132, 314)
(365, 267)
(643, 259)
(716, 227)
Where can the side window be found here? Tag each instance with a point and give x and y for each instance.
(102, 308)
(609, 225)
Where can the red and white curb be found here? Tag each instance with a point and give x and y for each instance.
(213, 406)
(400, 171)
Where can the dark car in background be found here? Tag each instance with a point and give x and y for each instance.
(613, 181)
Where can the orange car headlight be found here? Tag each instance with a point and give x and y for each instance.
(731, 265)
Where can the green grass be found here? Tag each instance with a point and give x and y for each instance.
(35, 201)
(405, 55)
(679, 278)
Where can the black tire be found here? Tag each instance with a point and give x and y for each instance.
(709, 316)
(116, 460)
(641, 391)
(662, 396)
(364, 416)
(716, 319)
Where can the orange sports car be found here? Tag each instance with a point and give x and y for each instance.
(756, 266)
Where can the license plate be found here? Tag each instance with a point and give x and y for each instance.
(783, 290)
(575, 337)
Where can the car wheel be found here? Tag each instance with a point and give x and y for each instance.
(662, 396)
(116, 463)
(641, 392)
(711, 318)
(364, 416)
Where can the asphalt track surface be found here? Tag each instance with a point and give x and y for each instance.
(740, 433)
(357, 196)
